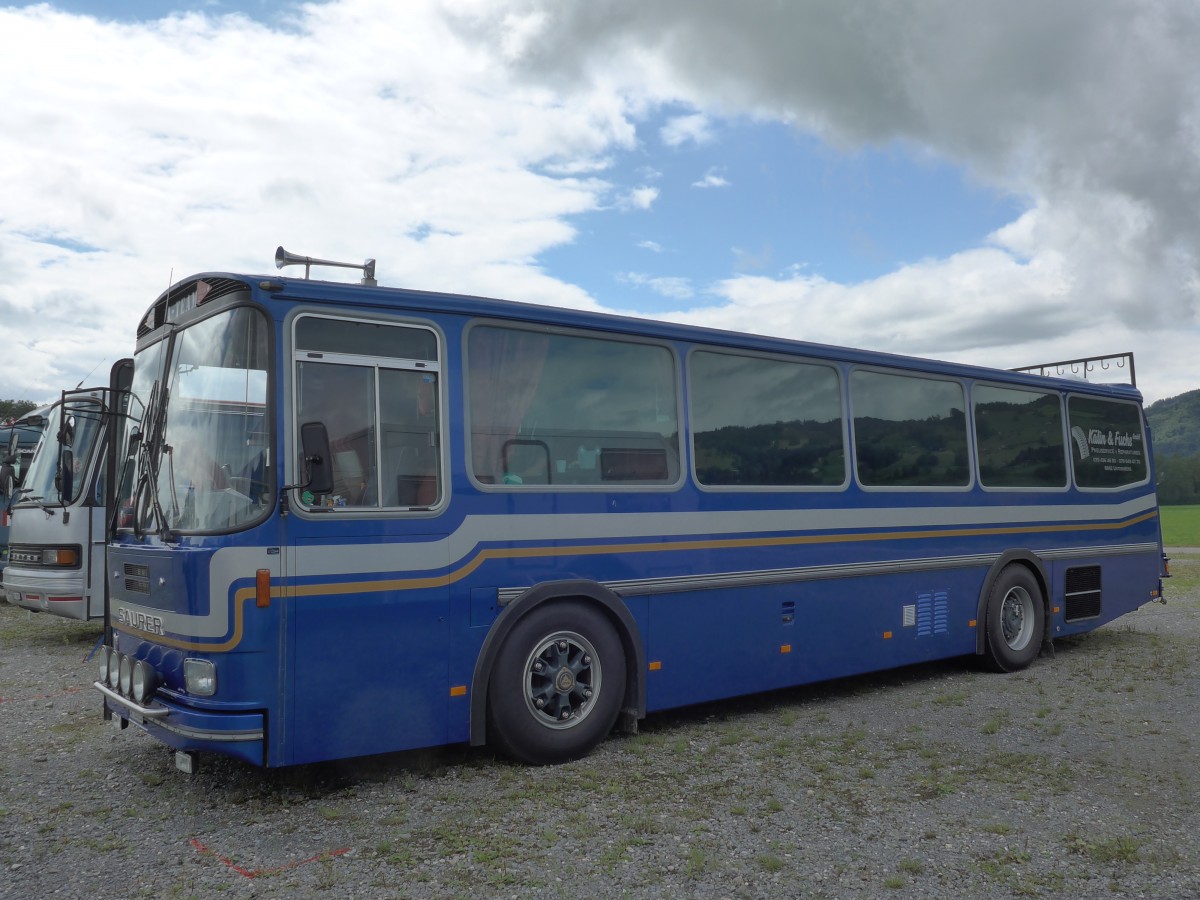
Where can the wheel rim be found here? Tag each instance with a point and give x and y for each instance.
(562, 680)
(1017, 618)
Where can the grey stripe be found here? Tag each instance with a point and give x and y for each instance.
(651, 586)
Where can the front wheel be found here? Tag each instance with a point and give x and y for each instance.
(557, 684)
(1014, 620)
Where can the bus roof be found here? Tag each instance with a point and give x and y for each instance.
(431, 303)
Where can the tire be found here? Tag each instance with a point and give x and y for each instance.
(1015, 620)
(557, 684)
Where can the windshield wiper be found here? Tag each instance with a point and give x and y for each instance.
(150, 451)
(38, 500)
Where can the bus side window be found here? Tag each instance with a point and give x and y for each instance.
(408, 402)
(343, 398)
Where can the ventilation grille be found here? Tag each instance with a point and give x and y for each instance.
(933, 613)
(1083, 594)
(137, 578)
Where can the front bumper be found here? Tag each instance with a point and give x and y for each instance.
(240, 735)
(60, 594)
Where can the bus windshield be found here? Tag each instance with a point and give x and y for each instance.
(202, 458)
(56, 473)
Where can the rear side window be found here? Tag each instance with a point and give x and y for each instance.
(909, 431)
(1108, 449)
(570, 409)
(1019, 435)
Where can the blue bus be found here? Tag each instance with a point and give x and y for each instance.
(18, 441)
(357, 519)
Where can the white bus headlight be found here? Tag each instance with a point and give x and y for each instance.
(200, 677)
(126, 675)
(61, 557)
(145, 681)
(114, 669)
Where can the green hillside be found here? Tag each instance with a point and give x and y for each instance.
(1176, 425)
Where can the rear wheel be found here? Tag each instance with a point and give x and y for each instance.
(557, 684)
(1015, 620)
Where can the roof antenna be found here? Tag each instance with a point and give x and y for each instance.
(89, 374)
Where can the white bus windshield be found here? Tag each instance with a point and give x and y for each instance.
(57, 473)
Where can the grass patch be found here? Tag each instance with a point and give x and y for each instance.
(43, 630)
(1180, 525)
(1121, 849)
(995, 723)
(1185, 577)
(770, 863)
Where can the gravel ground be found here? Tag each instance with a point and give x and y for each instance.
(1075, 778)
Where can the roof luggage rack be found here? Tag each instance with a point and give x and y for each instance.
(1082, 368)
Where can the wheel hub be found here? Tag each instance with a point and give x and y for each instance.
(564, 682)
(562, 676)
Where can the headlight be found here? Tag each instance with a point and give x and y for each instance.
(145, 681)
(126, 675)
(62, 557)
(104, 660)
(114, 669)
(200, 677)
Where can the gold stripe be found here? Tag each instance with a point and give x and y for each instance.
(497, 553)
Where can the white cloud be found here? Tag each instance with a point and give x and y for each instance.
(652, 246)
(638, 198)
(696, 128)
(674, 288)
(711, 180)
(194, 143)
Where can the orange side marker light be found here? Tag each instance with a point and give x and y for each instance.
(262, 588)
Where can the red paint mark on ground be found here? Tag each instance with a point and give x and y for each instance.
(260, 873)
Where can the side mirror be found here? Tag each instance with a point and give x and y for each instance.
(135, 441)
(66, 434)
(10, 451)
(318, 461)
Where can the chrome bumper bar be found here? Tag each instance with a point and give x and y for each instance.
(148, 713)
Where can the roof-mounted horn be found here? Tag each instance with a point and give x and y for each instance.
(283, 258)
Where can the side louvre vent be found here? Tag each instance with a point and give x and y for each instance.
(1083, 594)
(933, 613)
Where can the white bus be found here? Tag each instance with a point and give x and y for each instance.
(59, 518)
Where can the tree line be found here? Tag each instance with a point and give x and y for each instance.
(11, 410)
(1178, 480)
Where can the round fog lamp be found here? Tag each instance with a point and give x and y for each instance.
(104, 660)
(126, 674)
(114, 669)
(145, 681)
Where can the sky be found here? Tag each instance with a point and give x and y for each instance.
(997, 183)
